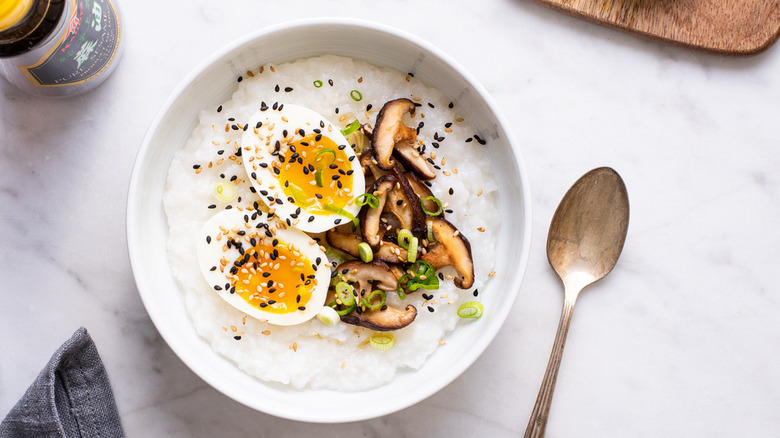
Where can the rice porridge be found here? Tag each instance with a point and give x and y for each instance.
(211, 175)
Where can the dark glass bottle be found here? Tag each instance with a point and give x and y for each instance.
(59, 47)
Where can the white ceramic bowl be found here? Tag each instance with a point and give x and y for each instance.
(214, 82)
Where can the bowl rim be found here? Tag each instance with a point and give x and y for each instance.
(135, 255)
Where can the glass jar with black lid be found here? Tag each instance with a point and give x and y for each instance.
(59, 47)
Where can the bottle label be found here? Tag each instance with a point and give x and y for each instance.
(86, 49)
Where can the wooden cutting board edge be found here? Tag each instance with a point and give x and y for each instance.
(749, 51)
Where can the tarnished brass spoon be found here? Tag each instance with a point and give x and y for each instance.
(586, 237)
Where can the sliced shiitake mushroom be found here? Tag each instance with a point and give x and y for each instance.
(387, 252)
(371, 218)
(452, 249)
(418, 227)
(390, 130)
(408, 154)
(367, 277)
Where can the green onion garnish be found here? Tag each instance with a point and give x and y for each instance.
(431, 237)
(401, 293)
(411, 252)
(404, 238)
(367, 198)
(348, 310)
(470, 309)
(423, 275)
(345, 293)
(354, 126)
(367, 301)
(335, 255)
(328, 316)
(225, 191)
(321, 155)
(298, 195)
(382, 341)
(318, 83)
(365, 253)
(356, 95)
(333, 209)
(438, 204)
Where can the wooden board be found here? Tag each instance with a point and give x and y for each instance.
(727, 27)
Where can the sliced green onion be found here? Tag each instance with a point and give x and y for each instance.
(318, 83)
(382, 341)
(411, 252)
(438, 204)
(404, 238)
(356, 95)
(347, 310)
(420, 268)
(367, 301)
(333, 209)
(298, 195)
(470, 309)
(401, 292)
(323, 152)
(335, 255)
(365, 253)
(225, 191)
(431, 237)
(321, 156)
(328, 316)
(354, 126)
(367, 198)
(345, 293)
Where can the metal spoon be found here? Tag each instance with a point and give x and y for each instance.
(586, 237)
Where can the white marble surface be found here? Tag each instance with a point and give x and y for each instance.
(680, 340)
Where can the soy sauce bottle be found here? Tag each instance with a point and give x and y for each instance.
(59, 48)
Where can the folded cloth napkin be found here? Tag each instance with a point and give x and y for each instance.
(70, 398)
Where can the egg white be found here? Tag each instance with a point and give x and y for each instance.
(211, 250)
(257, 147)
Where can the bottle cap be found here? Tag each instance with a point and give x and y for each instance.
(12, 12)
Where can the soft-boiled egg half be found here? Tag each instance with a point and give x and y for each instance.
(264, 269)
(302, 167)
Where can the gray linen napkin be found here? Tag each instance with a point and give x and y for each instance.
(70, 398)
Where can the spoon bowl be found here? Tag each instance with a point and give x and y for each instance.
(585, 240)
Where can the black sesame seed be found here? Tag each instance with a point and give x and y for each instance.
(337, 110)
(476, 292)
(451, 191)
(219, 109)
(240, 78)
(288, 89)
(196, 166)
(468, 140)
(237, 338)
(263, 107)
(302, 308)
(431, 105)
(450, 105)
(448, 124)
(330, 82)
(311, 218)
(212, 206)
(430, 309)
(368, 107)
(213, 268)
(276, 88)
(208, 239)
(217, 287)
(384, 307)
(234, 127)
(449, 210)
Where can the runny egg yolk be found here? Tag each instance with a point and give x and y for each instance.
(274, 277)
(317, 173)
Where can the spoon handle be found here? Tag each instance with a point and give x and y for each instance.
(538, 420)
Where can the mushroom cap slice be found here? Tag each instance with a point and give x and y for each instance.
(419, 228)
(383, 320)
(390, 130)
(452, 249)
(388, 252)
(413, 160)
(369, 276)
(370, 221)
